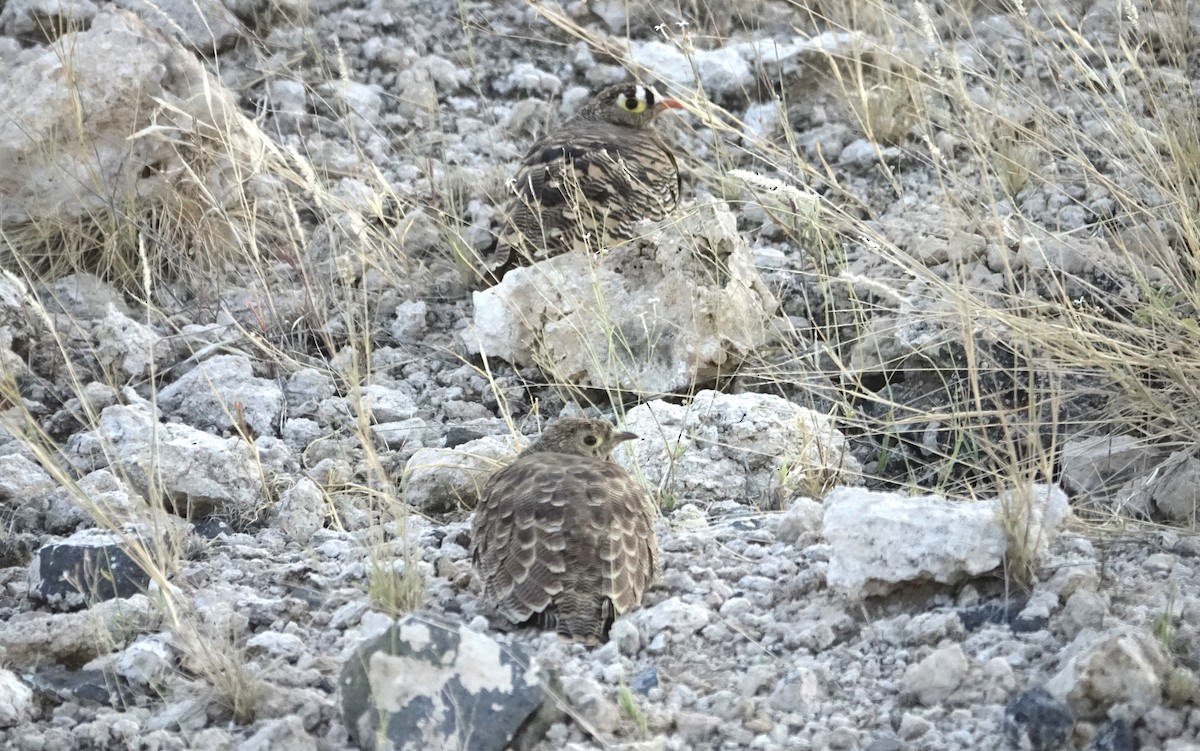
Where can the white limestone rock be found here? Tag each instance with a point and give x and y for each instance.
(16, 700)
(1119, 673)
(758, 449)
(301, 510)
(438, 480)
(116, 111)
(223, 389)
(674, 308)
(881, 540)
(126, 345)
(197, 471)
(936, 678)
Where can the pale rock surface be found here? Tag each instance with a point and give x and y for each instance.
(126, 345)
(196, 470)
(674, 308)
(26, 638)
(411, 433)
(81, 296)
(801, 523)
(880, 540)
(799, 691)
(280, 733)
(1110, 471)
(758, 449)
(386, 404)
(223, 389)
(16, 700)
(21, 478)
(148, 661)
(1118, 673)
(588, 697)
(934, 680)
(1176, 492)
(125, 78)
(26, 19)
(301, 510)
(443, 479)
(1084, 609)
(673, 617)
(206, 26)
(722, 71)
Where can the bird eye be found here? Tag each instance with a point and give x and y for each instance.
(635, 101)
(590, 440)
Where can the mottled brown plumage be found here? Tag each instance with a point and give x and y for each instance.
(563, 537)
(590, 181)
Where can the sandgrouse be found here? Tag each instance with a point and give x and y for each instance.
(590, 181)
(563, 537)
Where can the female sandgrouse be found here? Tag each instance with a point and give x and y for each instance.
(589, 182)
(563, 538)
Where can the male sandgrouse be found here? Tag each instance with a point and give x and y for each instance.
(590, 181)
(563, 538)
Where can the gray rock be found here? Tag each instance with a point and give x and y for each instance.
(16, 700)
(800, 692)
(82, 297)
(409, 323)
(34, 638)
(387, 404)
(21, 479)
(722, 71)
(1099, 467)
(438, 480)
(696, 727)
(222, 392)
(860, 153)
(427, 683)
(1120, 671)
(758, 448)
(203, 25)
(1037, 721)
(147, 662)
(880, 540)
(672, 616)
(127, 346)
(801, 523)
(587, 323)
(27, 19)
(1084, 609)
(936, 678)
(1114, 735)
(198, 472)
(1176, 491)
(60, 167)
(301, 510)
(306, 389)
(284, 732)
(587, 697)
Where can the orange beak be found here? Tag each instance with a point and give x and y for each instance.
(668, 104)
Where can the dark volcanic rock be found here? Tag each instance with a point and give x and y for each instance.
(1038, 721)
(435, 684)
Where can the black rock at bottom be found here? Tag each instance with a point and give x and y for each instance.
(1038, 721)
(428, 683)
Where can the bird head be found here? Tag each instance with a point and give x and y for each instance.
(630, 104)
(581, 437)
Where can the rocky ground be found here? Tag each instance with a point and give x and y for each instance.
(912, 371)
